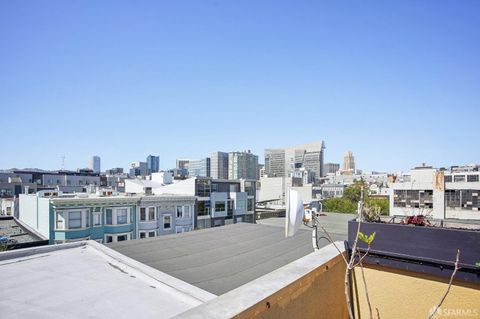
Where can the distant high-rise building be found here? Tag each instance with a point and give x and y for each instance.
(283, 162)
(348, 162)
(242, 165)
(94, 163)
(138, 169)
(182, 163)
(275, 162)
(219, 165)
(153, 164)
(331, 168)
(200, 167)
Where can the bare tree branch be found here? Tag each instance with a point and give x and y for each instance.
(366, 288)
(449, 286)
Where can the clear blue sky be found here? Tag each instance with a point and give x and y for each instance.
(396, 82)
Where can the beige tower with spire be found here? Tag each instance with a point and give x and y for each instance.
(348, 162)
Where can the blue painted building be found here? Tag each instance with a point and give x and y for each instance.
(66, 218)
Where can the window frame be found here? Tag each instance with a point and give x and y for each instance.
(163, 221)
(115, 211)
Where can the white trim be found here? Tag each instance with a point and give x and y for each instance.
(115, 216)
(115, 237)
(66, 216)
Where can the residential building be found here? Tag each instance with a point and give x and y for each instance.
(105, 216)
(219, 202)
(442, 194)
(94, 163)
(165, 214)
(332, 190)
(139, 169)
(14, 183)
(348, 162)
(63, 218)
(114, 179)
(153, 164)
(219, 165)
(17, 182)
(242, 165)
(282, 162)
(200, 167)
(114, 171)
(331, 168)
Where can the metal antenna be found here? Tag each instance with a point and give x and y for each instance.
(63, 162)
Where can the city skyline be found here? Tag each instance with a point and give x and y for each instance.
(395, 83)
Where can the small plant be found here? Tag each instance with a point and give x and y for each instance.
(366, 239)
(372, 213)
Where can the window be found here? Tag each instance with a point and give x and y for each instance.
(167, 222)
(250, 204)
(97, 219)
(459, 178)
(448, 178)
(109, 214)
(241, 205)
(143, 234)
(179, 212)
(151, 213)
(60, 221)
(186, 211)
(472, 178)
(113, 238)
(122, 215)
(219, 206)
(143, 214)
(151, 234)
(74, 220)
(203, 208)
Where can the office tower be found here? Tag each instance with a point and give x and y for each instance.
(242, 165)
(153, 164)
(282, 162)
(219, 165)
(200, 167)
(94, 163)
(348, 162)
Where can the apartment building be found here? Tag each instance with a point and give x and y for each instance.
(165, 214)
(452, 193)
(218, 202)
(104, 216)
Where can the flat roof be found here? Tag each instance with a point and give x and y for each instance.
(88, 280)
(11, 228)
(219, 259)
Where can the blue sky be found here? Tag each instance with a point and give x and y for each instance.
(396, 82)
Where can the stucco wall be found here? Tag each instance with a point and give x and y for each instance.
(400, 294)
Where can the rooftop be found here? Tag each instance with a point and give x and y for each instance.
(88, 280)
(222, 258)
(13, 229)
